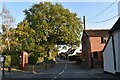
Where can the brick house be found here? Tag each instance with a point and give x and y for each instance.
(93, 42)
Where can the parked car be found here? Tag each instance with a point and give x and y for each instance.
(75, 55)
(72, 58)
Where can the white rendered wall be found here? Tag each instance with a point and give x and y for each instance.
(108, 58)
(115, 35)
(118, 55)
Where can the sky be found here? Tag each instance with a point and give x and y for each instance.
(88, 9)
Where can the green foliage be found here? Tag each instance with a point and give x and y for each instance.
(54, 24)
(1, 43)
(7, 60)
(24, 37)
(5, 52)
(11, 52)
(40, 59)
(64, 47)
(32, 58)
(45, 26)
(15, 60)
(49, 60)
(46, 59)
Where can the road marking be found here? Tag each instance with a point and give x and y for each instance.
(54, 78)
(63, 69)
(66, 66)
(62, 72)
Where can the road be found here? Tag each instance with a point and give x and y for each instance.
(63, 70)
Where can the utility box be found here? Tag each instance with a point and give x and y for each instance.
(23, 60)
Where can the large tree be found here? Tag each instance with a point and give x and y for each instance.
(54, 24)
(23, 37)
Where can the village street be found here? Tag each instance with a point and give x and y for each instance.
(62, 71)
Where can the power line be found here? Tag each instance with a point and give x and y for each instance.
(105, 20)
(103, 10)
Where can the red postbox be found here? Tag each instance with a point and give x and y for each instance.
(23, 60)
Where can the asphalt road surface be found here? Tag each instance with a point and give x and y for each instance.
(63, 70)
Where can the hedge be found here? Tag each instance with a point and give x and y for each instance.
(11, 60)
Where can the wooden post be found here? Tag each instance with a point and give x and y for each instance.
(84, 22)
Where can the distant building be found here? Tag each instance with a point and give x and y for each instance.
(93, 42)
(111, 52)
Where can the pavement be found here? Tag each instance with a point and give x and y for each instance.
(63, 70)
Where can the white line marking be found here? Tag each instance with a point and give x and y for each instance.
(63, 69)
(54, 78)
(61, 72)
(66, 66)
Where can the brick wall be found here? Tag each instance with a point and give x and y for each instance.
(96, 44)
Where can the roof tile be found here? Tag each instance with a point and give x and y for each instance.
(97, 33)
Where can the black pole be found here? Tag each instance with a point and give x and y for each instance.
(84, 22)
(3, 62)
(3, 69)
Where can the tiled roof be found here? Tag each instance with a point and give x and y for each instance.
(115, 27)
(97, 33)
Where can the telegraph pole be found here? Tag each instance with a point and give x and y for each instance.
(84, 28)
(84, 22)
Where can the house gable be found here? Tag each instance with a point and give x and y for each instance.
(96, 45)
(115, 27)
(93, 44)
(96, 39)
(85, 42)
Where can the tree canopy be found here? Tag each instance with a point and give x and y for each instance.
(24, 37)
(53, 24)
(45, 26)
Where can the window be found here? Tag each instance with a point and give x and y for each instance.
(103, 40)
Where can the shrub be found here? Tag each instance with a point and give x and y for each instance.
(32, 59)
(7, 60)
(15, 59)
